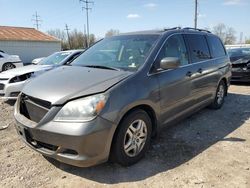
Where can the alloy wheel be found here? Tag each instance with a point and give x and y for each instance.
(135, 138)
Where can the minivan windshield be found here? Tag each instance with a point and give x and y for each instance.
(55, 58)
(126, 52)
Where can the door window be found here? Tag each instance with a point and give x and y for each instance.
(198, 47)
(174, 47)
(216, 46)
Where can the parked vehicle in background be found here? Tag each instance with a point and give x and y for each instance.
(237, 46)
(8, 62)
(37, 60)
(240, 59)
(13, 81)
(120, 92)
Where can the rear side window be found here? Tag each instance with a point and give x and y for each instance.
(216, 46)
(198, 47)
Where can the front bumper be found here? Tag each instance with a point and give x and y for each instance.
(241, 75)
(10, 91)
(79, 144)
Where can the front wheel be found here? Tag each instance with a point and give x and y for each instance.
(220, 96)
(132, 138)
(8, 66)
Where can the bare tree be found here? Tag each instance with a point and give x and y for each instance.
(77, 38)
(247, 41)
(227, 34)
(112, 32)
(61, 35)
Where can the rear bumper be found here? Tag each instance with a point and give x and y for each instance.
(18, 64)
(79, 144)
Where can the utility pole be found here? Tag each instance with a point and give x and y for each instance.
(241, 37)
(196, 14)
(37, 19)
(85, 35)
(87, 9)
(67, 30)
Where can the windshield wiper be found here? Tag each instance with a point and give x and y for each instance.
(102, 67)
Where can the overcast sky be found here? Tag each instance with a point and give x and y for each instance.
(127, 15)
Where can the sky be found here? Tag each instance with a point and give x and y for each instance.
(127, 15)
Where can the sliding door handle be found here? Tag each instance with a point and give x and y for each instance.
(200, 70)
(189, 74)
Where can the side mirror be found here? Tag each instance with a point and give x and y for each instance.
(170, 63)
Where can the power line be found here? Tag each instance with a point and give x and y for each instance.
(37, 19)
(87, 8)
(67, 30)
(196, 14)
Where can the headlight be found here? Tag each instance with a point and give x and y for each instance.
(81, 110)
(20, 78)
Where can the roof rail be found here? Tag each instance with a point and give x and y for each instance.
(191, 28)
(173, 28)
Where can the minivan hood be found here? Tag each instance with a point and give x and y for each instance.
(68, 82)
(24, 70)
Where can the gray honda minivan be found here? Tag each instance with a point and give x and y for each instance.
(120, 92)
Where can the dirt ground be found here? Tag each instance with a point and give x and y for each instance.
(209, 149)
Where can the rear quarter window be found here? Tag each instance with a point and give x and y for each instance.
(198, 47)
(216, 47)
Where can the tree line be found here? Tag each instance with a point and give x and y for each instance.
(78, 40)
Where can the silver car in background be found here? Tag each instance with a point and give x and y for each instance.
(13, 81)
(8, 62)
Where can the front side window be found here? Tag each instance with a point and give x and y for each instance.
(198, 47)
(174, 47)
(55, 58)
(127, 52)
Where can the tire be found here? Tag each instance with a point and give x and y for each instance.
(128, 147)
(8, 66)
(220, 96)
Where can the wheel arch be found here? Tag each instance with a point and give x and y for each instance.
(8, 63)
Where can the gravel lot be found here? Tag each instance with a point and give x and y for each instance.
(209, 149)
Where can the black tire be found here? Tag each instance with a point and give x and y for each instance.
(118, 153)
(219, 100)
(8, 66)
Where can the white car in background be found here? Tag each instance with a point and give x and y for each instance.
(13, 81)
(8, 62)
(37, 60)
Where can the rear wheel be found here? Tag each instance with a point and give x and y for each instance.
(132, 138)
(220, 96)
(8, 66)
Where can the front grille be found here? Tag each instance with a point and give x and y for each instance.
(14, 94)
(241, 65)
(33, 108)
(1, 86)
(4, 79)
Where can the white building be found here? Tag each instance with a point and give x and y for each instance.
(28, 43)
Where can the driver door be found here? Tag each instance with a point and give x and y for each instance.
(175, 84)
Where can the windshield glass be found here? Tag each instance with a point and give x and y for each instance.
(120, 52)
(55, 58)
(239, 52)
